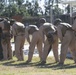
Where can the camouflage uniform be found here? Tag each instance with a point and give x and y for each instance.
(50, 39)
(36, 40)
(19, 38)
(67, 37)
(5, 41)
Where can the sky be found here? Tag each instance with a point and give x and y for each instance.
(62, 6)
(41, 2)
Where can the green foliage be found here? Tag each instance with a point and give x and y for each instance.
(54, 4)
(13, 7)
(33, 8)
(19, 2)
(57, 10)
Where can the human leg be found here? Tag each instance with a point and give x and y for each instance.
(55, 48)
(64, 47)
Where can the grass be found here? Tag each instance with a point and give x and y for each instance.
(13, 67)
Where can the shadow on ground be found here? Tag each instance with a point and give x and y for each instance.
(21, 64)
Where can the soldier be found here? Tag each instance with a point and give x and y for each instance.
(51, 40)
(41, 22)
(61, 28)
(5, 41)
(36, 40)
(18, 30)
(67, 38)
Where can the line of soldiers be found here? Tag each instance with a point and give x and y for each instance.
(47, 34)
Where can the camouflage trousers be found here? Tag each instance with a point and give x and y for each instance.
(7, 51)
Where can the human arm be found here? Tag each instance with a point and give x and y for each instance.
(27, 35)
(59, 32)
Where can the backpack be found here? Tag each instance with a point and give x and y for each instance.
(32, 29)
(49, 28)
(6, 26)
(20, 27)
(65, 27)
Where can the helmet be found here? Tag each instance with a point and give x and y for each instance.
(57, 21)
(12, 21)
(42, 20)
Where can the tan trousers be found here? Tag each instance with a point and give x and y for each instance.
(7, 51)
(69, 40)
(54, 47)
(19, 43)
(36, 41)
